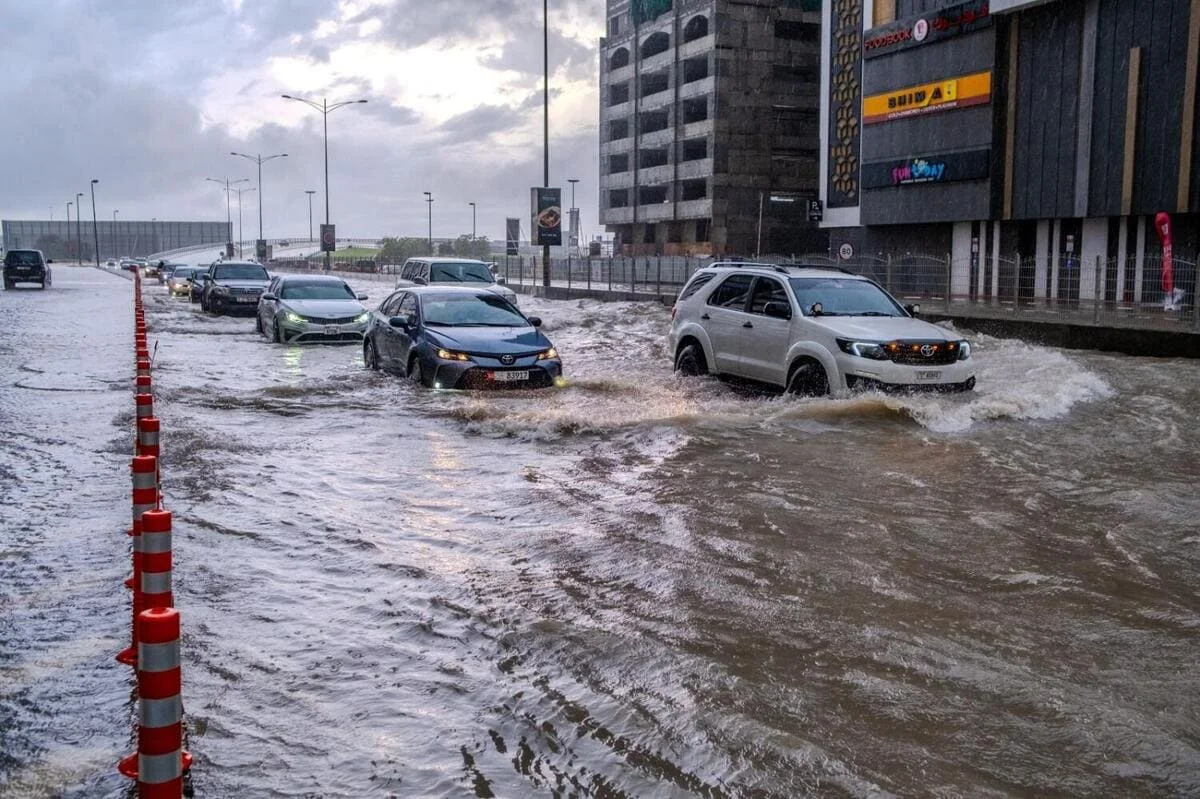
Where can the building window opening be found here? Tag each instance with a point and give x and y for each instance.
(649, 234)
(614, 28)
(656, 43)
(674, 232)
(618, 198)
(618, 163)
(618, 93)
(648, 159)
(652, 195)
(694, 190)
(653, 121)
(619, 59)
(695, 69)
(697, 28)
(694, 149)
(797, 31)
(655, 82)
(695, 110)
(702, 229)
(618, 129)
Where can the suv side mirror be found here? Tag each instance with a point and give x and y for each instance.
(420, 281)
(266, 295)
(49, 260)
(913, 310)
(778, 310)
(501, 281)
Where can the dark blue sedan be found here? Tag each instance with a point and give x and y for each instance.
(465, 338)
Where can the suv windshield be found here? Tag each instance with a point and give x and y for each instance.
(241, 272)
(460, 273)
(843, 297)
(471, 310)
(316, 291)
(22, 258)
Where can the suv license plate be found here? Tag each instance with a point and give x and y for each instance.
(929, 375)
(510, 376)
(246, 299)
(331, 330)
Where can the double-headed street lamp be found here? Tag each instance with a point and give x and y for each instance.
(229, 220)
(95, 227)
(259, 158)
(241, 238)
(310, 193)
(324, 108)
(429, 199)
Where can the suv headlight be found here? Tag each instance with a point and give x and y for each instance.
(964, 350)
(451, 355)
(863, 349)
(547, 354)
(220, 289)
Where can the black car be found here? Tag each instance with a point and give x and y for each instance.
(26, 266)
(232, 287)
(466, 338)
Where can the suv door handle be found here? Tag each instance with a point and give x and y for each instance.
(747, 324)
(704, 316)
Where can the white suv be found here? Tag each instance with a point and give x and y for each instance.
(810, 330)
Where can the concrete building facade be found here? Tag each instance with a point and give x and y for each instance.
(1025, 139)
(708, 126)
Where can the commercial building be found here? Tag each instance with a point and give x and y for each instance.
(708, 126)
(1027, 140)
(69, 240)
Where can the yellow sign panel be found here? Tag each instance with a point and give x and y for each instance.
(943, 95)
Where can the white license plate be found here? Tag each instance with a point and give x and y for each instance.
(929, 375)
(510, 376)
(246, 300)
(331, 330)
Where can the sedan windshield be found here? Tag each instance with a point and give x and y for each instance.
(471, 310)
(241, 272)
(843, 297)
(324, 290)
(450, 272)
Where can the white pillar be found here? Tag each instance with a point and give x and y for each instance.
(1093, 246)
(1122, 248)
(1055, 261)
(1041, 258)
(1139, 260)
(996, 260)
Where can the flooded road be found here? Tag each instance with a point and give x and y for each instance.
(634, 586)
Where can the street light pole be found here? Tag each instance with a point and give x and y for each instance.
(310, 193)
(69, 204)
(95, 227)
(114, 235)
(429, 198)
(78, 228)
(228, 221)
(546, 125)
(240, 237)
(573, 221)
(258, 158)
(472, 222)
(324, 108)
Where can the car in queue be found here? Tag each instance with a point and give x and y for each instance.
(299, 309)
(179, 280)
(26, 266)
(460, 338)
(230, 287)
(433, 271)
(811, 330)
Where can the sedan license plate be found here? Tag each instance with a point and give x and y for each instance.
(510, 376)
(331, 330)
(929, 374)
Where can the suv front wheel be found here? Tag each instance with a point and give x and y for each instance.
(690, 362)
(808, 379)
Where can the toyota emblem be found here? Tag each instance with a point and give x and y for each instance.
(928, 350)
(508, 360)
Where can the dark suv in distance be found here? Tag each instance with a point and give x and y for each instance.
(232, 287)
(26, 266)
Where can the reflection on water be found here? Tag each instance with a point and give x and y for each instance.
(636, 585)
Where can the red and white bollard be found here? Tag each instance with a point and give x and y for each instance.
(145, 405)
(143, 366)
(145, 499)
(143, 384)
(156, 560)
(147, 441)
(159, 763)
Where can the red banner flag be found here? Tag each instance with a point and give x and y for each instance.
(1162, 224)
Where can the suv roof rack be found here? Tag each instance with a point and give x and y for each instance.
(829, 267)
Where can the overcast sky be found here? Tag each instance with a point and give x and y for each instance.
(151, 96)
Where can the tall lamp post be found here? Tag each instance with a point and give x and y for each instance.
(228, 221)
(310, 193)
(241, 238)
(78, 228)
(546, 125)
(258, 158)
(573, 224)
(69, 204)
(472, 222)
(429, 199)
(95, 227)
(116, 253)
(324, 108)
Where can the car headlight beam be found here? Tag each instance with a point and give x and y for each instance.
(451, 355)
(362, 317)
(546, 355)
(295, 318)
(863, 349)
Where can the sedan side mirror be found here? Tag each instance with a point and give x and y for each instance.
(913, 310)
(266, 295)
(501, 281)
(778, 310)
(399, 322)
(362, 297)
(420, 281)
(536, 321)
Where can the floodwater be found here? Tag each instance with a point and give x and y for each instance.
(634, 586)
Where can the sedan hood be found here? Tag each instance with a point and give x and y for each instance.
(879, 328)
(490, 340)
(330, 308)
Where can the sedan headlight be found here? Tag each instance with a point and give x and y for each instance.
(362, 317)
(863, 349)
(964, 350)
(295, 318)
(547, 354)
(451, 355)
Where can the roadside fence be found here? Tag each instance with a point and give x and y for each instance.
(160, 762)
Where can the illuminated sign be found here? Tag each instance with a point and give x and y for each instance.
(928, 98)
(931, 27)
(925, 169)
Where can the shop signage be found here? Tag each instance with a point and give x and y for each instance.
(946, 168)
(928, 98)
(931, 27)
(546, 209)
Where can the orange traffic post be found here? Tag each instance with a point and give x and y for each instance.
(148, 429)
(143, 366)
(143, 385)
(156, 560)
(160, 762)
(145, 405)
(145, 498)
